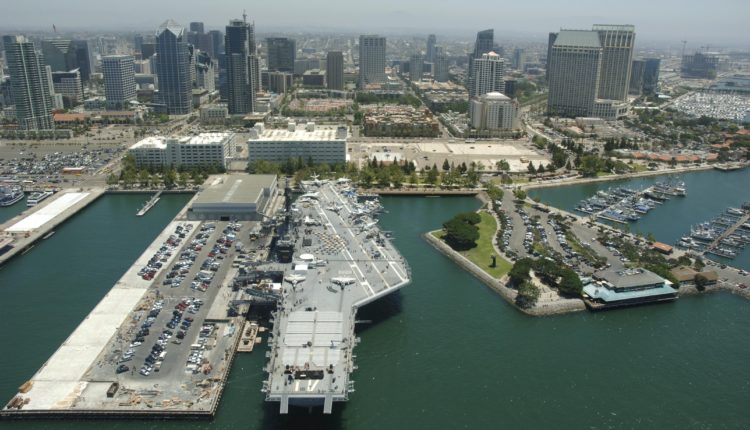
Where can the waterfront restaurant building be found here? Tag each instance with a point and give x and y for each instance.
(627, 287)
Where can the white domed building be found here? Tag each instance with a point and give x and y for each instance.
(493, 111)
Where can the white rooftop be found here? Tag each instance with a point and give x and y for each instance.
(160, 142)
(299, 134)
(47, 213)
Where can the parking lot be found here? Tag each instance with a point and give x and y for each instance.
(169, 338)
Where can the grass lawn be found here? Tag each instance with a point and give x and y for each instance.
(480, 255)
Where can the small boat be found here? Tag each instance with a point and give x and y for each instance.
(37, 197)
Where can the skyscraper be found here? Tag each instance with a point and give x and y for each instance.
(59, 54)
(282, 52)
(371, 59)
(589, 71)
(440, 65)
(216, 43)
(430, 54)
(119, 80)
(335, 70)
(416, 64)
(238, 51)
(489, 75)
(483, 45)
(29, 84)
(196, 27)
(651, 76)
(83, 58)
(173, 69)
(636, 77)
(550, 42)
(574, 65)
(519, 58)
(617, 56)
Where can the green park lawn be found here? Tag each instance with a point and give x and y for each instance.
(480, 255)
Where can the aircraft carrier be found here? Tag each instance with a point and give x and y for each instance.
(330, 259)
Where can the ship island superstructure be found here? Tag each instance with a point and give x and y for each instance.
(332, 260)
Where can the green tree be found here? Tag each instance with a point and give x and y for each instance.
(519, 194)
(446, 165)
(531, 168)
(432, 177)
(460, 233)
(170, 178)
(502, 165)
(144, 177)
(182, 179)
(519, 273)
(112, 179)
(570, 283)
(528, 294)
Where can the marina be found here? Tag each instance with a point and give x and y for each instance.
(624, 205)
(37, 197)
(725, 236)
(10, 195)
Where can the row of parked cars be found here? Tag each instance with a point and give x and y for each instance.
(140, 337)
(165, 251)
(196, 358)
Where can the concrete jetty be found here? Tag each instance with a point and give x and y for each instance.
(21, 232)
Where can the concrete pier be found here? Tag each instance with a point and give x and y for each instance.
(21, 232)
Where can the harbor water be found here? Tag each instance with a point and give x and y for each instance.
(709, 194)
(444, 353)
(8, 212)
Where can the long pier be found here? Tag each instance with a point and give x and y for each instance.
(20, 233)
(95, 372)
(713, 246)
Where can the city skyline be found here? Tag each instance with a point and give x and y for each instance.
(701, 24)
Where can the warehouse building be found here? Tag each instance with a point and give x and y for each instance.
(322, 145)
(240, 197)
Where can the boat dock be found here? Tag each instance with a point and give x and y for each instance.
(624, 205)
(20, 233)
(149, 204)
(161, 342)
(735, 237)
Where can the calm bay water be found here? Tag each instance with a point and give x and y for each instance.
(8, 212)
(444, 353)
(709, 193)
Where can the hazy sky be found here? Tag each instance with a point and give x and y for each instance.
(699, 22)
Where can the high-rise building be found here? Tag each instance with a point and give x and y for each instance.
(173, 69)
(281, 53)
(68, 85)
(119, 80)
(489, 75)
(335, 70)
(216, 43)
(589, 71)
(63, 55)
(483, 45)
(636, 77)
(573, 65)
(240, 88)
(430, 54)
(29, 84)
(617, 56)
(148, 50)
(196, 27)
(651, 76)
(440, 65)
(700, 66)
(493, 111)
(371, 59)
(519, 59)
(416, 64)
(83, 59)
